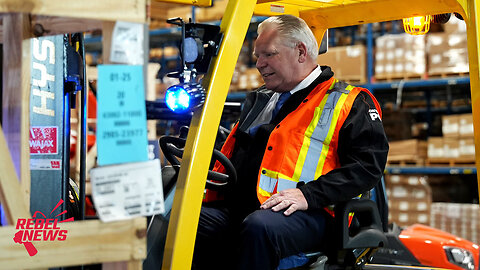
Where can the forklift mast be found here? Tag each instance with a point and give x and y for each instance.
(57, 76)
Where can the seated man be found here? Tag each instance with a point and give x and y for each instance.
(304, 141)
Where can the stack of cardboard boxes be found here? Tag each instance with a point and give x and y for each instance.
(409, 198)
(400, 56)
(444, 53)
(457, 143)
(447, 51)
(412, 150)
(458, 219)
(245, 78)
(347, 62)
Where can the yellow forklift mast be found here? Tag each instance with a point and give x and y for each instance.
(320, 15)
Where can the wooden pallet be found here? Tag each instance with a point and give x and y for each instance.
(398, 77)
(405, 160)
(447, 74)
(354, 80)
(450, 161)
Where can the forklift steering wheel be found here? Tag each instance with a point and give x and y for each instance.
(172, 148)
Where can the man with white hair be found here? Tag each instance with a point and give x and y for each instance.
(304, 141)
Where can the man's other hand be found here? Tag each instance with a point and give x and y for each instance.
(292, 199)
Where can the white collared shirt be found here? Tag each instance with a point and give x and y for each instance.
(265, 115)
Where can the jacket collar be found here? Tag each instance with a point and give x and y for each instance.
(255, 101)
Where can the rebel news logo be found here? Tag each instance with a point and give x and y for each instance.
(40, 228)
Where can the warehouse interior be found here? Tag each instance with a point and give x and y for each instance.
(422, 82)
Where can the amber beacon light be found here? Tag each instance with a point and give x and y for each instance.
(417, 25)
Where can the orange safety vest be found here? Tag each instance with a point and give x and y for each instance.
(303, 146)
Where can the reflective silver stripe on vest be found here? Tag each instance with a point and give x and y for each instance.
(267, 183)
(319, 134)
(285, 184)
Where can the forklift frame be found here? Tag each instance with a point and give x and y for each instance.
(319, 15)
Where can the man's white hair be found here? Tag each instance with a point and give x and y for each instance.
(292, 30)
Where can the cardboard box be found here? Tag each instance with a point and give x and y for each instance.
(399, 56)
(347, 62)
(404, 219)
(408, 149)
(459, 219)
(411, 180)
(248, 79)
(451, 147)
(409, 206)
(466, 148)
(410, 199)
(407, 192)
(408, 188)
(465, 122)
(450, 125)
(447, 53)
(435, 147)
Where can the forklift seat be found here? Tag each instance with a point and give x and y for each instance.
(352, 244)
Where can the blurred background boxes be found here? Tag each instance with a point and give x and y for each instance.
(457, 143)
(450, 125)
(457, 218)
(466, 148)
(400, 56)
(465, 128)
(407, 150)
(347, 62)
(447, 53)
(410, 199)
(435, 147)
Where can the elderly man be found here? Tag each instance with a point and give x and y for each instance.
(304, 142)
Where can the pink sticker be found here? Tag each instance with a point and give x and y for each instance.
(43, 140)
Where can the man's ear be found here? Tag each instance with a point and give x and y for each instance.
(302, 52)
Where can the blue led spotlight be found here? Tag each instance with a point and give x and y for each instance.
(183, 98)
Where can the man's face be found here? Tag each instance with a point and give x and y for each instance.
(277, 63)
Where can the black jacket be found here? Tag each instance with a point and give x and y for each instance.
(362, 151)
